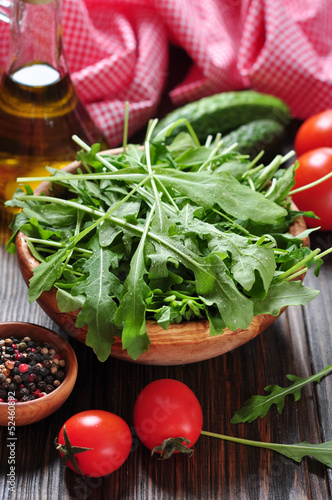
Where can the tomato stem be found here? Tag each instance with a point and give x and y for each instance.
(68, 451)
(171, 445)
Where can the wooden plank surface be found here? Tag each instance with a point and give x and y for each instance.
(299, 342)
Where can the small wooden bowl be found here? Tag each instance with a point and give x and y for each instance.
(29, 412)
(182, 343)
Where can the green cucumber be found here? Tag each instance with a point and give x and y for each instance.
(225, 112)
(255, 136)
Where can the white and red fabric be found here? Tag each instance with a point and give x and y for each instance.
(117, 51)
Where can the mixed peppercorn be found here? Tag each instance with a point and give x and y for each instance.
(28, 369)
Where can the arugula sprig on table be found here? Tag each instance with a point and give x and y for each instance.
(258, 406)
(167, 233)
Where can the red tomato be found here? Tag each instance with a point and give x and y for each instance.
(107, 435)
(167, 408)
(312, 166)
(315, 132)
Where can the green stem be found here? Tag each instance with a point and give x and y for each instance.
(302, 271)
(168, 130)
(235, 224)
(125, 127)
(284, 449)
(301, 263)
(248, 442)
(117, 176)
(312, 184)
(57, 244)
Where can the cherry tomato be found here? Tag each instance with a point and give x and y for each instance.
(106, 438)
(167, 408)
(312, 166)
(315, 132)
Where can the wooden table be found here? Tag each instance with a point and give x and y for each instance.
(299, 342)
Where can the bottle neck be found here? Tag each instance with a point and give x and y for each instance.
(36, 36)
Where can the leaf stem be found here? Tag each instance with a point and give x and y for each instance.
(321, 451)
(249, 442)
(311, 184)
(125, 127)
(301, 263)
(301, 271)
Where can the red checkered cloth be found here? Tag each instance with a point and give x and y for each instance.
(117, 51)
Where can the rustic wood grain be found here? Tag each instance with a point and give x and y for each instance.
(299, 342)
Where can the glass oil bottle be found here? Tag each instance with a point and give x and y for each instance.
(39, 108)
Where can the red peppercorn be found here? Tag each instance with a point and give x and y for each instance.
(23, 367)
(58, 356)
(32, 377)
(18, 356)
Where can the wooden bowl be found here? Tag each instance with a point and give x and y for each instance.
(181, 344)
(29, 412)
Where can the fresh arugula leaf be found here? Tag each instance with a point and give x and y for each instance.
(47, 273)
(222, 189)
(99, 308)
(286, 293)
(131, 312)
(258, 406)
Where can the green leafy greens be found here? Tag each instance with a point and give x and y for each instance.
(168, 233)
(258, 406)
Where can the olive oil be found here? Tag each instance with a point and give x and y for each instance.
(39, 113)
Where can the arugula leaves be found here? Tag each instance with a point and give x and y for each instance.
(165, 233)
(258, 406)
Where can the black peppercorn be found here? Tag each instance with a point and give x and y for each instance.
(44, 372)
(12, 387)
(23, 391)
(60, 375)
(41, 385)
(47, 364)
(49, 379)
(32, 387)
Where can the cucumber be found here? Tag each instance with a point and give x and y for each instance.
(225, 112)
(255, 136)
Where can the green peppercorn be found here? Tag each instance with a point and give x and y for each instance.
(22, 346)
